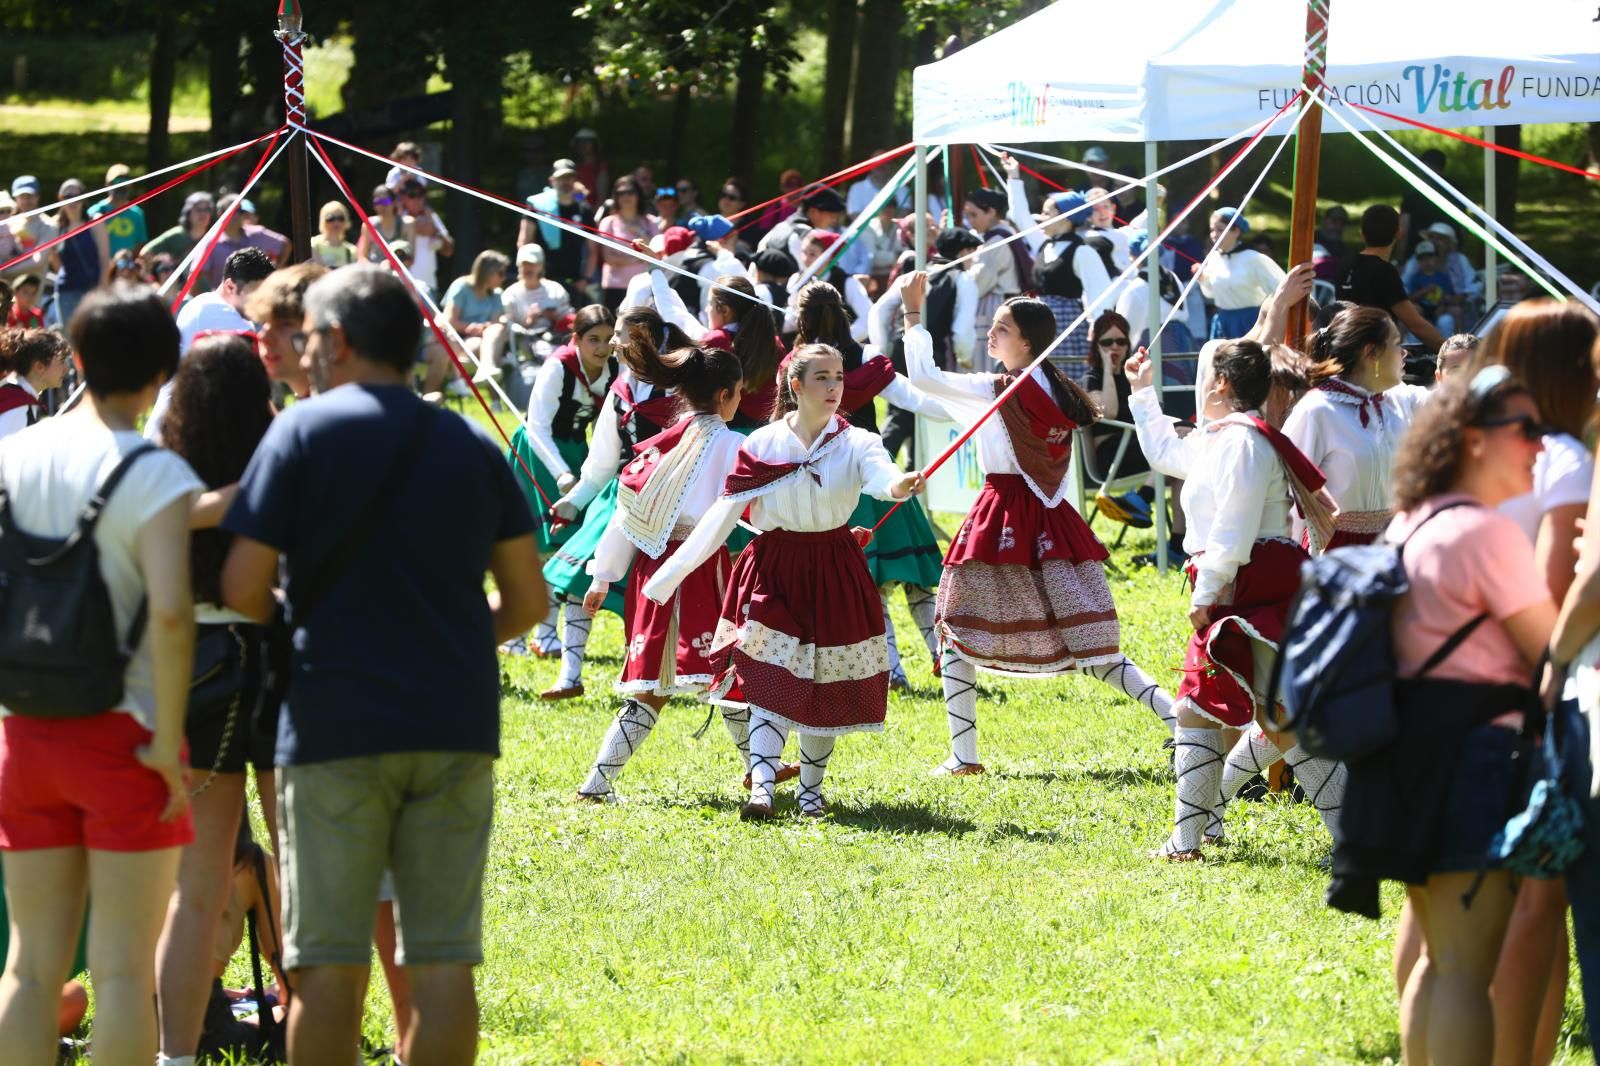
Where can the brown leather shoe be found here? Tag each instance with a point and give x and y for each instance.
(787, 772)
(755, 812)
(571, 692)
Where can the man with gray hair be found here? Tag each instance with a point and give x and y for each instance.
(391, 723)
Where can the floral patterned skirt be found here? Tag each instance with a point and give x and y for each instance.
(669, 644)
(1024, 588)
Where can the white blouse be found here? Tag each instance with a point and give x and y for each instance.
(1086, 262)
(1244, 278)
(1235, 492)
(547, 397)
(605, 445)
(16, 419)
(615, 552)
(1357, 460)
(853, 464)
(967, 397)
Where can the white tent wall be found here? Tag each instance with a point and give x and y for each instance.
(1201, 70)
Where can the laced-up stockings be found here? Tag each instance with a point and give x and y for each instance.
(960, 680)
(545, 638)
(1322, 780)
(737, 719)
(627, 733)
(920, 600)
(815, 751)
(574, 643)
(897, 672)
(1126, 677)
(766, 756)
(1198, 760)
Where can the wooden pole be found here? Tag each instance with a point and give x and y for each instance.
(1308, 156)
(294, 108)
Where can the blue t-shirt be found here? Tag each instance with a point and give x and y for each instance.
(1429, 289)
(399, 656)
(475, 309)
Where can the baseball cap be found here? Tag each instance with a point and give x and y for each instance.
(69, 188)
(530, 253)
(710, 227)
(675, 240)
(1096, 157)
(117, 172)
(1442, 229)
(27, 183)
(1427, 248)
(563, 168)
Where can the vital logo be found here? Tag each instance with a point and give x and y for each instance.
(1028, 103)
(1446, 93)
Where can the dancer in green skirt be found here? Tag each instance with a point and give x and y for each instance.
(552, 443)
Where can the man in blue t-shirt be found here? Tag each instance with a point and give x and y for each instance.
(388, 513)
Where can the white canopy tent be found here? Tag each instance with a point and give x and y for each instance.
(1206, 69)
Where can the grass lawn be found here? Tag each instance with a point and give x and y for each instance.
(1008, 918)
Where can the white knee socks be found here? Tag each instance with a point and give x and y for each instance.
(737, 719)
(545, 638)
(628, 731)
(1127, 678)
(1254, 754)
(897, 673)
(766, 755)
(961, 710)
(574, 642)
(921, 602)
(1198, 759)
(1322, 780)
(814, 754)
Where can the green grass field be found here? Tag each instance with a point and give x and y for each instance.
(1009, 918)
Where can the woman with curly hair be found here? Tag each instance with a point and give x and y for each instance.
(221, 407)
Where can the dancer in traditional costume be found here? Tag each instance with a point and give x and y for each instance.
(1024, 588)
(1240, 476)
(737, 322)
(567, 396)
(674, 480)
(801, 627)
(903, 550)
(636, 409)
(1236, 278)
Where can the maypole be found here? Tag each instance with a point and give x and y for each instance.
(1308, 154)
(294, 107)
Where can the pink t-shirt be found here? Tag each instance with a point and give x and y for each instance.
(1466, 562)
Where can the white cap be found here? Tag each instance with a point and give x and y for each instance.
(530, 253)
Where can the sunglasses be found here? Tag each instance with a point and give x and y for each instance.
(336, 218)
(1113, 342)
(382, 203)
(1531, 428)
(411, 194)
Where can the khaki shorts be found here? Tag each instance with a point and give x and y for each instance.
(425, 816)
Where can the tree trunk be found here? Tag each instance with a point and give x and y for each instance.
(222, 78)
(681, 102)
(836, 82)
(163, 73)
(464, 150)
(1507, 175)
(745, 137)
(877, 75)
(1591, 141)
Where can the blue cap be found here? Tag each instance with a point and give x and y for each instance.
(246, 207)
(27, 183)
(1138, 243)
(710, 227)
(1070, 203)
(1240, 223)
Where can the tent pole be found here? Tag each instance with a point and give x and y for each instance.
(1308, 155)
(920, 206)
(1152, 267)
(1491, 266)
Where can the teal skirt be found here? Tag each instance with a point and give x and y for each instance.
(904, 549)
(565, 574)
(547, 537)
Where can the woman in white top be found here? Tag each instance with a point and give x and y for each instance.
(1235, 278)
(1068, 273)
(673, 482)
(98, 805)
(1024, 587)
(1351, 422)
(33, 361)
(800, 638)
(1240, 476)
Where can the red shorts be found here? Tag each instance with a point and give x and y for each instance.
(75, 782)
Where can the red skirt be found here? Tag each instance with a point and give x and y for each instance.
(801, 633)
(1220, 675)
(669, 644)
(1024, 588)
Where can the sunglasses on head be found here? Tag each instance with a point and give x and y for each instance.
(1530, 427)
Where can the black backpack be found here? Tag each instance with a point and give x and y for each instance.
(61, 655)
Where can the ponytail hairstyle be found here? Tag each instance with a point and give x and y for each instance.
(1037, 325)
(589, 317)
(799, 361)
(822, 316)
(23, 350)
(755, 334)
(1248, 368)
(645, 335)
(1337, 349)
(699, 375)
